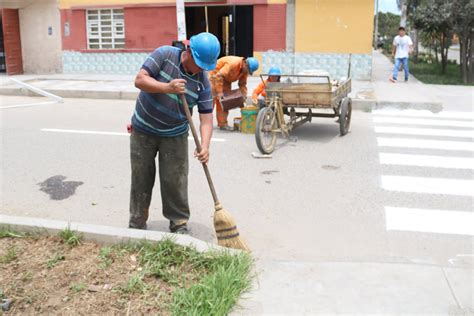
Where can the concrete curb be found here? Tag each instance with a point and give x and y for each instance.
(357, 104)
(104, 234)
(77, 94)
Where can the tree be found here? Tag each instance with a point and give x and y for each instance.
(402, 6)
(436, 17)
(463, 25)
(408, 10)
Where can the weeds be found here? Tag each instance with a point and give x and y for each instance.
(70, 237)
(105, 257)
(77, 287)
(54, 260)
(9, 256)
(135, 284)
(217, 292)
(7, 232)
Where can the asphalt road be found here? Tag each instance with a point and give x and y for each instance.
(397, 188)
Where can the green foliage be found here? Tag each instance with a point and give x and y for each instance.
(77, 287)
(431, 73)
(9, 256)
(6, 232)
(54, 260)
(105, 256)
(70, 237)
(388, 27)
(217, 292)
(135, 284)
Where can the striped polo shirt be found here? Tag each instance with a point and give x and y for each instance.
(162, 114)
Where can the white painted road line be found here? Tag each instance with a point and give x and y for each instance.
(38, 90)
(429, 221)
(26, 105)
(426, 161)
(423, 131)
(75, 131)
(428, 185)
(425, 113)
(424, 143)
(421, 121)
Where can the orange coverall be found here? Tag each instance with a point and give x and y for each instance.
(259, 90)
(228, 70)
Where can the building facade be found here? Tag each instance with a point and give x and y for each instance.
(115, 36)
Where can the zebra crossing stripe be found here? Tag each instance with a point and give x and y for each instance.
(426, 161)
(424, 144)
(423, 131)
(458, 187)
(429, 221)
(421, 121)
(425, 113)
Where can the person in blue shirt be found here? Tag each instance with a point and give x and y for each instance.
(160, 127)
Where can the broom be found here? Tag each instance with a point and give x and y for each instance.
(224, 224)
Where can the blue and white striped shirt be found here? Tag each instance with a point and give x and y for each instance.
(162, 114)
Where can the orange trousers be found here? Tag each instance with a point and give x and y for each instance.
(221, 115)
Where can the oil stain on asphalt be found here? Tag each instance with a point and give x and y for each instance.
(57, 188)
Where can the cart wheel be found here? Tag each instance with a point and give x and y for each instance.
(345, 116)
(264, 136)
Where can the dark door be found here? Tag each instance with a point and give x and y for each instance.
(244, 31)
(11, 41)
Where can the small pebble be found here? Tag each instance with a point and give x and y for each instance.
(6, 304)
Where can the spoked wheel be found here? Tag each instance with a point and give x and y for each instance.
(264, 134)
(345, 113)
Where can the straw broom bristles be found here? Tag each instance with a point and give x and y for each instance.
(226, 230)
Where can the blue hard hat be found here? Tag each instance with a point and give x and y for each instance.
(274, 71)
(205, 49)
(253, 64)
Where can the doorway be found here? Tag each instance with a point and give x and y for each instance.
(3, 65)
(233, 26)
(11, 41)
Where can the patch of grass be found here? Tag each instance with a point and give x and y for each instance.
(105, 256)
(135, 284)
(54, 260)
(77, 287)
(162, 277)
(6, 232)
(218, 291)
(431, 73)
(205, 283)
(70, 237)
(9, 256)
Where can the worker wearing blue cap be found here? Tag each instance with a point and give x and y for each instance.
(160, 128)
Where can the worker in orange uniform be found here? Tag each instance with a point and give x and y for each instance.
(228, 70)
(274, 74)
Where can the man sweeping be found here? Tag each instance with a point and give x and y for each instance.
(274, 74)
(160, 127)
(228, 70)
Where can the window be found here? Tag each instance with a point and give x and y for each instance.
(105, 29)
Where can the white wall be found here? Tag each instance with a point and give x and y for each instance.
(41, 52)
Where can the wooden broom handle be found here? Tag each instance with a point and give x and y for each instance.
(198, 147)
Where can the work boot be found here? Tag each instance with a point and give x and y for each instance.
(144, 227)
(226, 128)
(181, 229)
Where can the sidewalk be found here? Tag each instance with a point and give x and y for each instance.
(366, 95)
(297, 288)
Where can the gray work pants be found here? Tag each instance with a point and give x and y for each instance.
(173, 171)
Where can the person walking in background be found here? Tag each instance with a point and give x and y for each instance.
(401, 48)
